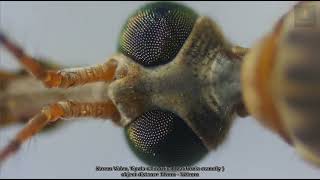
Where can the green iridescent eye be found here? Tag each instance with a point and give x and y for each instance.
(156, 32)
(162, 138)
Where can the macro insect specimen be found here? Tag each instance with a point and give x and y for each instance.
(175, 86)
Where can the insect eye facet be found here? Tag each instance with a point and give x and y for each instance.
(156, 32)
(161, 138)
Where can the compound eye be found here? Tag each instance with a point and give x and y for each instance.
(162, 138)
(156, 32)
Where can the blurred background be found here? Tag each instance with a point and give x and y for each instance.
(84, 33)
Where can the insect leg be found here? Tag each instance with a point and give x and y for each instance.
(56, 111)
(60, 78)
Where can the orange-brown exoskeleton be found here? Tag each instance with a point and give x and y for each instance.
(281, 80)
(174, 86)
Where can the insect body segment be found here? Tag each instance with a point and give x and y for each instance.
(280, 79)
(297, 83)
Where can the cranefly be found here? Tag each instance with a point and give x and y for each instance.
(175, 86)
